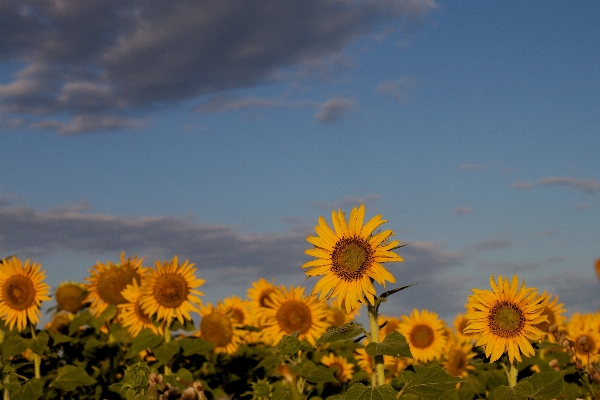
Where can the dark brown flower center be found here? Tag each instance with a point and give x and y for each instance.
(216, 328)
(351, 257)
(171, 290)
(18, 292)
(294, 316)
(113, 281)
(543, 326)
(506, 319)
(237, 314)
(421, 336)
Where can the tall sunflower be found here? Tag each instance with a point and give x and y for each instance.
(290, 311)
(350, 258)
(22, 290)
(108, 280)
(169, 291)
(505, 318)
(219, 326)
(425, 334)
(131, 314)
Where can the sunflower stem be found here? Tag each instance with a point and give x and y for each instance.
(167, 340)
(379, 367)
(511, 374)
(37, 359)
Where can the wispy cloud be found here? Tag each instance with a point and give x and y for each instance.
(588, 185)
(462, 210)
(333, 109)
(397, 90)
(330, 110)
(100, 63)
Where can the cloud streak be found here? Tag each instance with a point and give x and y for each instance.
(89, 66)
(588, 185)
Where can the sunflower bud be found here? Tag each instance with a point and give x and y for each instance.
(554, 365)
(553, 328)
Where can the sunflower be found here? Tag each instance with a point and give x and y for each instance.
(584, 333)
(259, 295)
(239, 309)
(131, 314)
(506, 318)
(291, 311)
(425, 334)
(70, 296)
(460, 323)
(60, 323)
(343, 370)
(108, 280)
(219, 326)
(554, 312)
(350, 258)
(22, 290)
(597, 267)
(169, 291)
(457, 356)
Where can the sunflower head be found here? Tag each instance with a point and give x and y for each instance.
(457, 356)
(505, 318)
(291, 311)
(22, 290)
(342, 369)
(425, 334)
(260, 296)
(220, 327)
(349, 258)
(60, 323)
(170, 291)
(70, 296)
(583, 332)
(107, 281)
(131, 315)
(554, 313)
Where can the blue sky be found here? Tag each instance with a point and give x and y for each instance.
(221, 131)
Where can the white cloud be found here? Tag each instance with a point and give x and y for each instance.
(587, 185)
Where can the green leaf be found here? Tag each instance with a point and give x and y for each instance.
(546, 385)
(394, 344)
(522, 391)
(39, 343)
(194, 345)
(288, 345)
(165, 351)
(314, 373)
(84, 318)
(13, 346)
(342, 332)
(358, 391)
(547, 345)
(108, 314)
(428, 382)
(282, 393)
(145, 339)
(71, 377)
(58, 338)
(31, 390)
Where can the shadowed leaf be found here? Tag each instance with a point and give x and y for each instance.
(394, 344)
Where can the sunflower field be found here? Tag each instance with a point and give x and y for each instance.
(128, 332)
